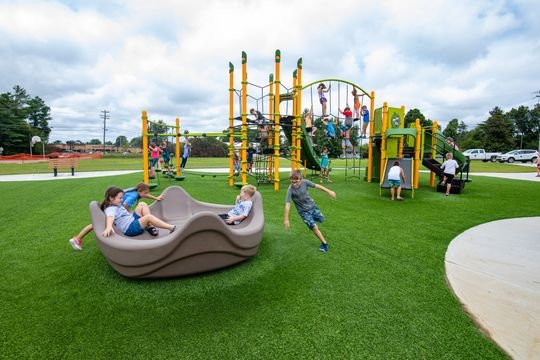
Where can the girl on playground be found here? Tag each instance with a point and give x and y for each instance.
(356, 104)
(130, 224)
(154, 156)
(321, 89)
(131, 196)
(325, 166)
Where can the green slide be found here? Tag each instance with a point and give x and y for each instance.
(308, 153)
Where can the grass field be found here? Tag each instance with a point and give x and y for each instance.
(118, 162)
(379, 293)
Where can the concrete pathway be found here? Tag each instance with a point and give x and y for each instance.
(64, 175)
(494, 270)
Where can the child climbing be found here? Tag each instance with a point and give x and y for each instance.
(365, 120)
(131, 197)
(325, 166)
(330, 130)
(308, 119)
(130, 224)
(348, 123)
(242, 207)
(321, 90)
(305, 206)
(356, 104)
(449, 168)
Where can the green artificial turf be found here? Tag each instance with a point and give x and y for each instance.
(380, 292)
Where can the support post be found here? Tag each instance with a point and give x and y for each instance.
(299, 113)
(145, 146)
(383, 140)
(177, 147)
(371, 138)
(231, 124)
(244, 119)
(277, 119)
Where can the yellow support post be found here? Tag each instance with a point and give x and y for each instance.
(294, 124)
(145, 146)
(417, 145)
(177, 147)
(244, 119)
(434, 131)
(231, 124)
(383, 140)
(370, 141)
(277, 119)
(299, 113)
(271, 118)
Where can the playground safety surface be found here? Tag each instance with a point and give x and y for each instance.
(492, 268)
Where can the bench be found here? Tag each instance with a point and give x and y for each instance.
(63, 163)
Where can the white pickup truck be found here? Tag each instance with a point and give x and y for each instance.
(481, 154)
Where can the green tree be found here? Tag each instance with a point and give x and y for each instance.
(497, 131)
(95, 142)
(412, 115)
(136, 142)
(121, 141)
(451, 129)
(39, 115)
(525, 125)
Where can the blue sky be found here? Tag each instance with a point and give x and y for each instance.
(454, 59)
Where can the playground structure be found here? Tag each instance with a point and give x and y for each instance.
(282, 132)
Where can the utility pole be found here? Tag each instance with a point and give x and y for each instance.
(105, 115)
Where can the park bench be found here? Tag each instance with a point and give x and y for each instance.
(63, 163)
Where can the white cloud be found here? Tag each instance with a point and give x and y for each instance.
(454, 59)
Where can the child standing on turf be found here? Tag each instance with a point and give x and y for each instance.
(325, 165)
(306, 207)
(131, 196)
(154, 155)
(186, 153)
(395, 178)
(242, 207)
(130, 224)
(449, 168)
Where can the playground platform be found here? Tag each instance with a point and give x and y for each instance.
(494, 271)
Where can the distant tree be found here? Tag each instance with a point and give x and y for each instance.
(414, 114)
(121, 141)
(497, 131)
(208, 147)
(57, 142)
(525, 126)
(21, 118)
(95, 142)
(108, 142)
(451, 129)
(136, 142)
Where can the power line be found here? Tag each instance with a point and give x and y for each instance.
(105, 115)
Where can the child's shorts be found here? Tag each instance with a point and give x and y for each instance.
(154, 162)
(323, 100)
(449, 177)
(311, 216)
(134, 228)
(346, 142)
(395, 183)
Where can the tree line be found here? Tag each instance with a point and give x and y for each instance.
(501, 131)
(23, 116)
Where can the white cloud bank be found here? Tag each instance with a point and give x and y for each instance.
(454, 59)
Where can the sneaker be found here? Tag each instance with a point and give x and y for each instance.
(75, 243)
(446, 194)
(323, 247)
(152, 230)
(400, 198)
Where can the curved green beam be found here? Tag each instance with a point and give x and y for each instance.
(338, 80)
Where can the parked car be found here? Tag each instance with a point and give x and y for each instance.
(481, 154)
(518, 155)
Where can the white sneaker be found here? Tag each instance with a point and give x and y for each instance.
(76, 244)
